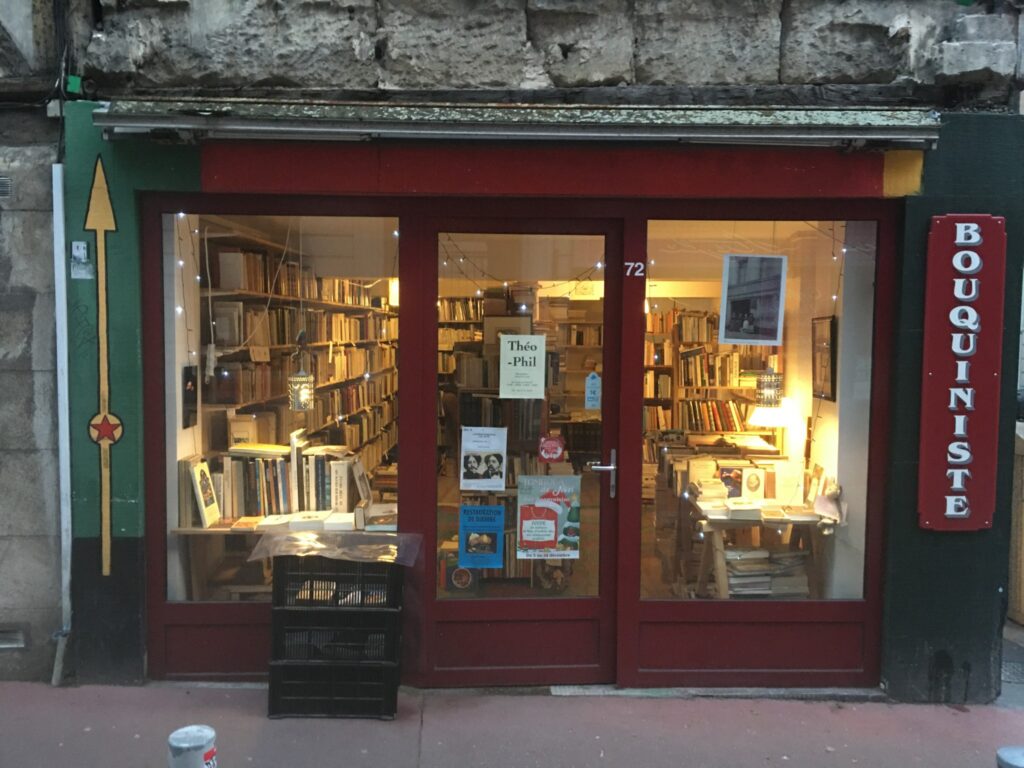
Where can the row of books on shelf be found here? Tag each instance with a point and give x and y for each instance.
(574, 335)
(448, 336)
(700, 367)
(460, 309)
(339, 402)
(657, 384)
(657, 352)
(235, 323)
(331, 365)
(657, 418)
(696, 326)
(256, 481)
(712, 415)
(660, 322)
(254, 271)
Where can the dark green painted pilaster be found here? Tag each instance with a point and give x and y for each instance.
(945, 593)
(108, 630)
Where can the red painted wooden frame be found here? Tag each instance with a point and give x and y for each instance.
(193, 624)
(564, 619)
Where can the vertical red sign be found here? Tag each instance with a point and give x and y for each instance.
(961, 372)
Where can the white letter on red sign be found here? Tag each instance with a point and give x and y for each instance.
(959, 477)
(959, 453)
(964, 394)
(956, 506)
(966, 262)
(960, 288)
(965, 350)
(968, 233)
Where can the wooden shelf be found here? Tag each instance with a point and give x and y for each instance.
(460, 322)
(226, 351)
(221, 293)
(658, 367)
(278, 398)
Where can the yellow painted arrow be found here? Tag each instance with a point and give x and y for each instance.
(105, 428)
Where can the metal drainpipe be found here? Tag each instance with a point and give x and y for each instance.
(63, 432)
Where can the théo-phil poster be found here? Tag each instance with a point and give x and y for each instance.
(481, 536)
(548, 527)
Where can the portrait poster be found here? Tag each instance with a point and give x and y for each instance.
(548, 524)
(482, 454)
(209, 509)
(481, 536)
(522, 367)
(753, 299)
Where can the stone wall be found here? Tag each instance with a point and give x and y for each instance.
(29, 517)
(400, 45)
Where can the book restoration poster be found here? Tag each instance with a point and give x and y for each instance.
(521, 374)
(481, 536)
(483, 459)
(549, 517)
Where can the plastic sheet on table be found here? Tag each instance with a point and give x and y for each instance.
(359, 546)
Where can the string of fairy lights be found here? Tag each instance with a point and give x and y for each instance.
(460, 262)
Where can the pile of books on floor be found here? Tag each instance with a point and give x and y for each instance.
(762, 573)
(749, 572)
(789, 573)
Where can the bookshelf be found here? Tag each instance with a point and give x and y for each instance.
(240, 319)
(694, 384)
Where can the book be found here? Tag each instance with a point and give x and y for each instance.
(209, 510)
(273, 523)
(188, 508)
(362, 482)
(340, 521)
(343, 492)
(381, 517)
(307, 521)
(261, 450)
(248, 523)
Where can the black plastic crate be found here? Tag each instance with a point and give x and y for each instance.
(322, 635)
(333, 689)
(319, 581)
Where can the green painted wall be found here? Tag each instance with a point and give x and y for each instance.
(945, 593)
(131, 167)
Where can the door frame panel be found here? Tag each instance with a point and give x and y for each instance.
(600, 609)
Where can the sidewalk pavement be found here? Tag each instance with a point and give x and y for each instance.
(111, 727)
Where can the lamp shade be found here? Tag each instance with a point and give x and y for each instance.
(769, 389)
(300, 391)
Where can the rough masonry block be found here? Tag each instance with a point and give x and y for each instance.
(985, 27)
(699, 43)
(27, 420)
(583, 44)
(457, 44)
(977, 62)
(29, 503)
(26, 250)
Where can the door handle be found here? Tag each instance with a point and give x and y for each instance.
(611, 468)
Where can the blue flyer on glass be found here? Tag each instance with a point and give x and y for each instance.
(481, 536)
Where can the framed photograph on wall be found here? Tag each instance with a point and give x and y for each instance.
(753, 299)
(823, 357)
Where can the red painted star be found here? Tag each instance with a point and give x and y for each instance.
(105, 426)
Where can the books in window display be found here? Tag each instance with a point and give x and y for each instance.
(256, 480)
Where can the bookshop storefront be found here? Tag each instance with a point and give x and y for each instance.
(652, 393)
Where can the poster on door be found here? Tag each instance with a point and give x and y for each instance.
(522, 367)
(548, 524)
(483, 459)
(481, 536)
